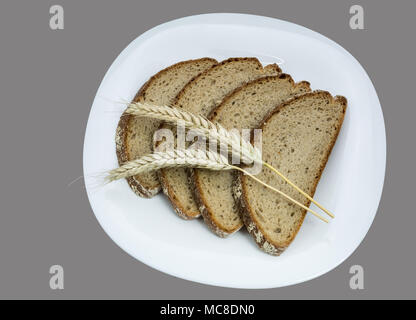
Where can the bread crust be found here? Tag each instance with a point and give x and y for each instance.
(205, 210)
(240, 193)
(194, 178)
(135, 183)
(182, 92)
(177, 206)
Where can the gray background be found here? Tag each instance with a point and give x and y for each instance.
(48, 80)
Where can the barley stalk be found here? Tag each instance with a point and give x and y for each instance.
(201, 125)
(215, 131)
(195, 158)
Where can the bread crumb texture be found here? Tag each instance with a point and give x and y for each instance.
(297, 140)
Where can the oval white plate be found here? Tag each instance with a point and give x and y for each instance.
(350, 187)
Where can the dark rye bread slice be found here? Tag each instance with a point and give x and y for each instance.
(298, 137)
(134, 135)
(200, 96)
(244, 108)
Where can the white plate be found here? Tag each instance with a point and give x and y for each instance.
(351, 184)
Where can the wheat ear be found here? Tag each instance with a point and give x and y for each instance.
(214, 131)
(195, 158)
(201, 125)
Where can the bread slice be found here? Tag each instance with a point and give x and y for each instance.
(134, 135)
(245, 108)
(200, 96)
(298, 137)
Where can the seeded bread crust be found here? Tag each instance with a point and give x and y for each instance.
(204, 205)
(205, 212)
(166, 187)
(136, 183)
(240, 194)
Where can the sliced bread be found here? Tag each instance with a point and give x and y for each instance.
(200, 96)
(134, 135)
(298, 137)
(245, 108)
